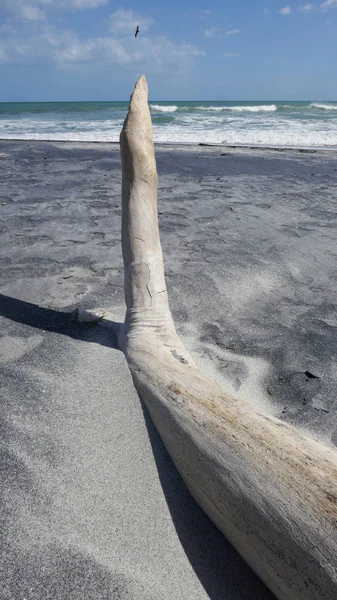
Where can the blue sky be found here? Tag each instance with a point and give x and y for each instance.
(232, 50)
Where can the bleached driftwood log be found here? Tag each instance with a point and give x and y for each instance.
(270, 489)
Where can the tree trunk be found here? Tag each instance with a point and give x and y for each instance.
(270, 489)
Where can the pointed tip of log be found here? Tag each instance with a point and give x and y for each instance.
(138, 125)
(139, 97)
(140, 92)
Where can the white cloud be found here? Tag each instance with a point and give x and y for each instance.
(125, 22)
(285, 10)
(19, 10)
(158, 51)
(82, 4)
(64, 49)
(329, 3)
(35, 10)
(306, 8)
(42, 43)
(213, 32)
(106, 50)
(230, 55)
(217, 32)
(32, 13)
(205, 13)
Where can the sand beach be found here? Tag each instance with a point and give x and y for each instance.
(94, 507)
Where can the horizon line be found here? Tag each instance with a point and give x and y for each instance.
(154, 100)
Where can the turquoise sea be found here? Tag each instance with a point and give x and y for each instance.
(285, 124)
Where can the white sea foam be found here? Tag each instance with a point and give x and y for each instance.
(257, 108)
(232, 128)
(252, 135)
(159, 108)
(323, 106)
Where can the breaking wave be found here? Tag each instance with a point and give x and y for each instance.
(159, 108)
(257, 108)
(265, 123)
(323, 106)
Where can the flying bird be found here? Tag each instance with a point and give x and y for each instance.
(137, 31)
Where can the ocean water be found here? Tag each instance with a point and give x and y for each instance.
(280, 124)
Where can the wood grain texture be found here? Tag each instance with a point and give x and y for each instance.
(270, 489)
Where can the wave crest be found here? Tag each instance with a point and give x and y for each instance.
(323, 106)
(257, 108)
(168, 108)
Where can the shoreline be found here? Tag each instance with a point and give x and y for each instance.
(308, 149)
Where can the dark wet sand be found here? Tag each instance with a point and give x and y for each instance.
(94, 508)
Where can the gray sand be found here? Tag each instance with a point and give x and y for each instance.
(94, 508)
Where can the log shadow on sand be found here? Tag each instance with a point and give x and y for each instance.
(219, 568)
(55, 321)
